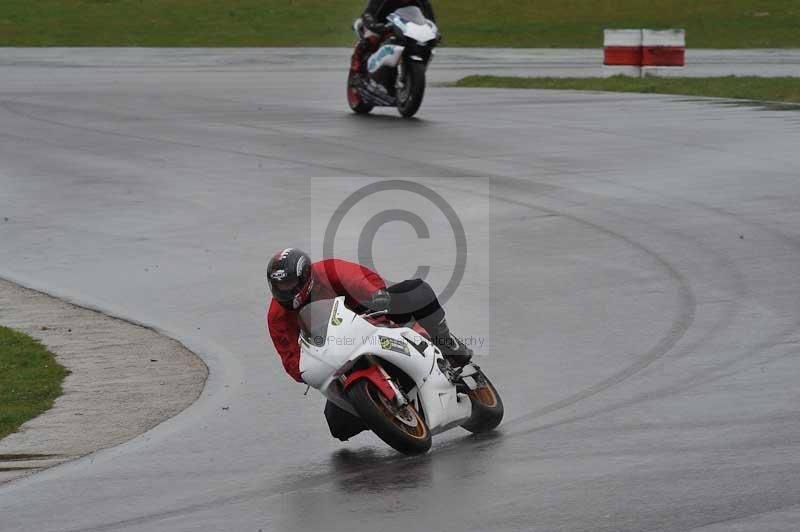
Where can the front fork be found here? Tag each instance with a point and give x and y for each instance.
(400, 82)
(401, 68)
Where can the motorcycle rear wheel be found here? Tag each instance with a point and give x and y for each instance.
(401, 428)
(410, 95)
(357, 104)
(487, 407)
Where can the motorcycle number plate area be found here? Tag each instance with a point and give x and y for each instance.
(470, 382)
(467, 376)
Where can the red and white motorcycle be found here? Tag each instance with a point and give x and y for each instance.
(391, 377)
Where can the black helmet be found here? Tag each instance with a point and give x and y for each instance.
(289, 277)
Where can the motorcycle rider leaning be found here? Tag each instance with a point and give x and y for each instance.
(374, 26)
(295, 281)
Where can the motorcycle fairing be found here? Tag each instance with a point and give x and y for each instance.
(387, 55)
(422, 33)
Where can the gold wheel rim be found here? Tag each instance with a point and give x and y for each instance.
(485, 395)
(417, 430)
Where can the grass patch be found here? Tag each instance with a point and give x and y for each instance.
(30, 379)
(515, 23)
(748, 88)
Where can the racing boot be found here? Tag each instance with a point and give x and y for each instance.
(454, 350)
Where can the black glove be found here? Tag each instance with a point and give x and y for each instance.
(371, 24)
(368, 21)
(379, 300)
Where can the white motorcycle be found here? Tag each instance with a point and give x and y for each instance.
(391, 377)
(396, 71)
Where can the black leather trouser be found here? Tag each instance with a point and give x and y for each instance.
(415, 299)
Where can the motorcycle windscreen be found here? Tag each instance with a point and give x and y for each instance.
(314, 319)
(411, 14)
(414, 24)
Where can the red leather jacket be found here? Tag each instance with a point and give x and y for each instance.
(333, 277)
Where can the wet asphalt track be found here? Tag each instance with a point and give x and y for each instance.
(645, 298)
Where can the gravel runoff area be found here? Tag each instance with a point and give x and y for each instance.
(125, 380)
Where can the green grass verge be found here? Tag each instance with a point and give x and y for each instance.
(30, 379)
(748, 88)
(515, 23)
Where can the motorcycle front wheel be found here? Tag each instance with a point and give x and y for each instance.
(403, 429)
(412, 89)
(487, 407)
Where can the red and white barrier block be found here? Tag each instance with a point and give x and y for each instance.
(663, 52)
(622, 52)
(643, 52)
